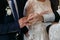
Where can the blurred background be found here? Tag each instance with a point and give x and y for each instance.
(59, 4)
(59, 1)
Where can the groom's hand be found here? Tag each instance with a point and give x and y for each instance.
(22, 22)
(34, 17)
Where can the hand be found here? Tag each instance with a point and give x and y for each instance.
(34, 17)
(22, 22)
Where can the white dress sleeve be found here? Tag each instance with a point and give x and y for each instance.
(50, 17)
(24, 11)
(26, 6)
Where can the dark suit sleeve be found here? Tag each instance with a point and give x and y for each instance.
(21, 4)
(54, 5)
(57, 17)
(8, 28)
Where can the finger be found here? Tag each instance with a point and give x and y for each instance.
(24, 19)
(28, 24)
(32, 16)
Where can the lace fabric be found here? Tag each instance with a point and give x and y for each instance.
(38, 30)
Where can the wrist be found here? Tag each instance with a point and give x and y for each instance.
(20, 25)
(40, 17)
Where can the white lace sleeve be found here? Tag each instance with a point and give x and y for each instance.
(24, 11)
(26, 6)
(49, 17)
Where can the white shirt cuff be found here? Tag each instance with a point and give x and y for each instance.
(50, 17)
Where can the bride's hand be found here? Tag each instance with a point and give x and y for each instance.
(34, 17)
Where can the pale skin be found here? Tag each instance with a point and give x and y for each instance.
(22, 22)
(41, 0)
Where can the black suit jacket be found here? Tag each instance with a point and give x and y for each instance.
(54, 6)
(21, 4)
(8, 27)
